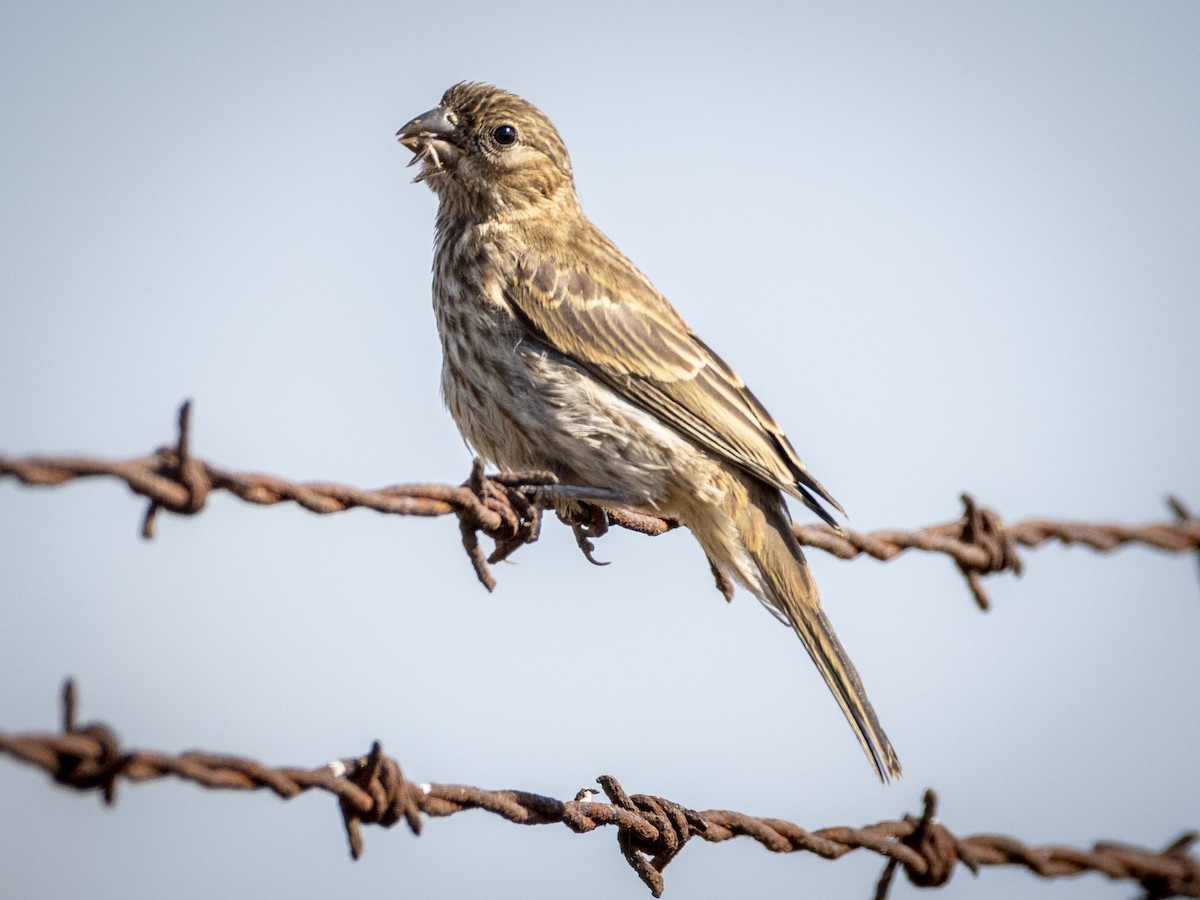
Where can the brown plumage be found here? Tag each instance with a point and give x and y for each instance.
(558, 354)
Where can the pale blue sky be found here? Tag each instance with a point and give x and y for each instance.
(951, 246)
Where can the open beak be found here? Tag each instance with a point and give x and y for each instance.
(430, 136)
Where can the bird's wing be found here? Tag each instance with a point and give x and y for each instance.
(600, 311)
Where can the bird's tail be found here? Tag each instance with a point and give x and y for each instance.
(765, 532)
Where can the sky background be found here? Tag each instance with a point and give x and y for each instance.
(952, 247)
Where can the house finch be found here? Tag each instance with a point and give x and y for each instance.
(558, 354)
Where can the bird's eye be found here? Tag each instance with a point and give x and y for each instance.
(504, 135)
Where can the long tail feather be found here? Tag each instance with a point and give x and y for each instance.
(766, 534)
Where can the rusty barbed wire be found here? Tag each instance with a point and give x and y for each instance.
(651, 831)
(507, 508)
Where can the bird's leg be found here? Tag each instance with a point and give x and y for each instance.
(580, 493)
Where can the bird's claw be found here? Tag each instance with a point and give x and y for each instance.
(590, 521)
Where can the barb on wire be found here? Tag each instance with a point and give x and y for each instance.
(1182, 514)
(651, 831)
(507, 508)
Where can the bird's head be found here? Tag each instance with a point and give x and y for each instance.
(490, 149)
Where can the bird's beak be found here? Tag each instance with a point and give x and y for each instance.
(431, 138)
(437, 124)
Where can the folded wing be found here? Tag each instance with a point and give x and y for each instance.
(600, 311)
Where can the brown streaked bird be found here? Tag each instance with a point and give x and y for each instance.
(558, 354)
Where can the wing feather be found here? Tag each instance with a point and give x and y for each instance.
(600, 311)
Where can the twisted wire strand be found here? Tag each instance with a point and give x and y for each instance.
(507, 508)
(651, 831)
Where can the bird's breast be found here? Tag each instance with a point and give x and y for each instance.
(523, 404)
(485, 383)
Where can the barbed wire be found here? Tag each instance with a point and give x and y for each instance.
(651, 831)
(507, 508)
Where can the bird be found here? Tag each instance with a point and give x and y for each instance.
(559, 355)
